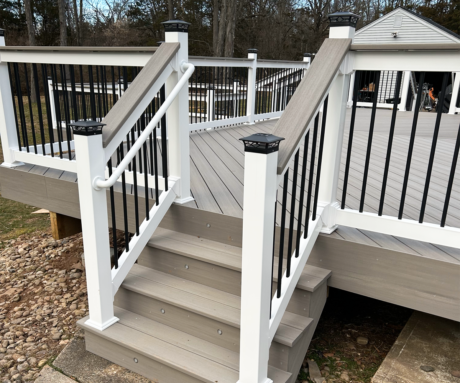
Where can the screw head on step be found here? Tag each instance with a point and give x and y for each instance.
(219, 332)
(186, 266)
(135, 360)
(163, 311)
(208, 225)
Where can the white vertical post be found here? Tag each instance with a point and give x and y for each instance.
(260, 185)
(210, 102)
(350, 91)
(235, 98)
(251, 91)
(405, 91)
(177, 116)
(342, 26)
(94, 217)
(52, 105)
(8, 131)
(455, 91)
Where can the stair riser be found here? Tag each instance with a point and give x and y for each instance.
(145, 366)
(217, 277)
(194, 324)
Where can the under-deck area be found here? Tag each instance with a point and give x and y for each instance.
(397, 270)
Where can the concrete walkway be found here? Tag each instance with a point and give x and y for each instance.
(426, 351)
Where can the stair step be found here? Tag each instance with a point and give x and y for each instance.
(206, 301)
(226, 256)
(177, 350)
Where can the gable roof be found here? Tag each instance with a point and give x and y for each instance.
(427, 22)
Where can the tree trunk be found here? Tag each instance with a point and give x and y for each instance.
(215, 26)
(77, 23)
(170, 10)
(230, 31)
(62, 22)
(222, 29)
(81, 22)
(31, 35)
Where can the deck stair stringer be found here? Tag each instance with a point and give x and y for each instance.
(179, 310)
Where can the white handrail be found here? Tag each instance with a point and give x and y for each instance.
(99, 182)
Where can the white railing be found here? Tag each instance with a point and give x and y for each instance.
(260, 314)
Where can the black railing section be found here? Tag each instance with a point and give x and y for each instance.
(378, 83)
(141, 179)
(48, 97)
(275, 87)
(217, 93)
(422, 180)
(299, 197)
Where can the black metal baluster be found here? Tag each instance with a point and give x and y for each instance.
(22, 117)
(390, 141)
(291, 217)
(136, 200)
(39, 108)
(10, 75)
(273, 254)
(57, 108)
(74, 92)
(114, 221)
(310, 177)
(282, 228)
(302, 192)
(31, 112)
(369, 141)
(146, 183)
(440, 106)
(92, 99)
(411, 144)
(99, 105)
(83, 102)
(451, 179)
(125, 205)
(320, 158)
(48, 108)
(114, 91)
(155, 164)
(66, 109)
(164, 146)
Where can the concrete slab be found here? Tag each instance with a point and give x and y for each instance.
(86, 367)
(50, 375)
(426, 351)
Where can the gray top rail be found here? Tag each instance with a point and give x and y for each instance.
(77, 49)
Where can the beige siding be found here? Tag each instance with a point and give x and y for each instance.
(412, 30)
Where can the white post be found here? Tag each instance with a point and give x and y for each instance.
(350, 91)
(260, 185)
(210, 103)
(234, 97)
(455, 91)
(94, 217)
(52, 106)
(8, 131)
(177, 116)
(251, 91)
(405, 91)
(342, 25)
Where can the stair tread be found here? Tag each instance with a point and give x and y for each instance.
(226, 256)
(204, 300)
(191, 355)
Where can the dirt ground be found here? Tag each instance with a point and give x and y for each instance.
(347, 317)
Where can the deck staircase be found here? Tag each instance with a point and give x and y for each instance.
(179, 311)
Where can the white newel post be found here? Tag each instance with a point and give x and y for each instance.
(210, 103)
(52, 105)
(251, 91)
(260, 185)
(455, 91)
(177, 116)
(7, 121)
(94, 217)
(342, 25)
(405, 91)
(350, 91)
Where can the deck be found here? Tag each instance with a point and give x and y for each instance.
(217, 182)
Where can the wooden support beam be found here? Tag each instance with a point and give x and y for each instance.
(63, 226)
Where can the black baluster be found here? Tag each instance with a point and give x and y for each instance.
(369, 141)
(10, 75)
(302, 192)
(291, 217)
(83, 97)
(114, 221)
(411, 144)
(31, 112)
(155, 165)
(136, 200)
(164, 147)
(320, 157)
(66, 109)
(390, 141)
(39, 107)
(282, 228)
(125, 204)
(310, 177)
(440, 106)
(57, 108)
(48, 108)
(25, 138)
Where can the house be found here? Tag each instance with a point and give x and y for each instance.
(226, 233)
(403, 26)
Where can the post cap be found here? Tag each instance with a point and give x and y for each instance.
(176, 26)
(86, 128)
(261, 143)
(343, 19)
(307, 55)
(2, 32)
(252, 50)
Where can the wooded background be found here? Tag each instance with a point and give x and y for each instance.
(279, 29)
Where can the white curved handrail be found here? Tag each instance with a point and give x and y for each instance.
(99, 182)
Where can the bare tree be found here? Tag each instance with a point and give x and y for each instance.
(215, 26)
(31, 36)
(170, 10)
(76, 21)
(62, 22)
